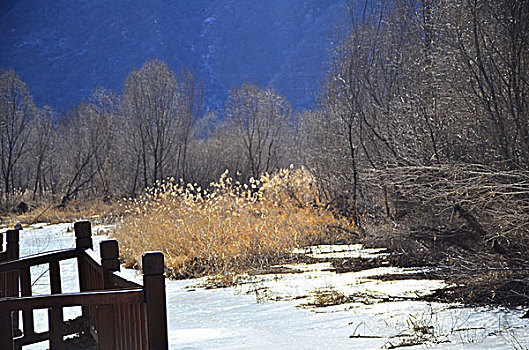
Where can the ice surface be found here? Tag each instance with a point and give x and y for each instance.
(267, 312)
(341, 251)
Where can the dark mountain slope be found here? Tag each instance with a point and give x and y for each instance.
(64, 49)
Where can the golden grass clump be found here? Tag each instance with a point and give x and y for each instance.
(231, 227)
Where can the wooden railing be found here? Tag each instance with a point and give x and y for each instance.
(117, 313)
(9, 280)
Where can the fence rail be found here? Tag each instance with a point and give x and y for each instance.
(116, 312)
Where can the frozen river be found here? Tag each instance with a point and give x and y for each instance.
(277, 311)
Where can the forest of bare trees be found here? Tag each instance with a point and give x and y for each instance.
(115, 145)
(423, 126)
(427, 85)
(422, 122)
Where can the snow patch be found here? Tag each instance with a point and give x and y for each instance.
(265, 313)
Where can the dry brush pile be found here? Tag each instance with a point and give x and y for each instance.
(230, 227)
(490, 203)
(472, 220)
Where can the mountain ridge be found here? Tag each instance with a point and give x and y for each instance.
(65, 49)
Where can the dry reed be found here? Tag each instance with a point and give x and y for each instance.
(231, 227)
(95, 210)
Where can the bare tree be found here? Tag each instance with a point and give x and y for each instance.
(259, 121)
(42, 143)
(492, 46)
(16, 111)
(161, 111)
(190, 99)
(86, 140)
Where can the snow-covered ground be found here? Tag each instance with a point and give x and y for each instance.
(273, 311)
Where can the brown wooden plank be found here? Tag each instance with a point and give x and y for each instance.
(55, 316)
(89, 278)
(132, 334)
(56, 326)
(38, 259)
(6, 327)
(122, 321)
(25, 282)
(73, 299)
(25, 291)
(135, 330)
(95, 274)
(117, 333)
(126, 326)
(12, 290)
(92, 278)
(105, 327)
(143, 320)
(121, 329)
(3, 284)
(114, 278)
(55, 277)
(82, 274)
(93, 259)
(11, 284)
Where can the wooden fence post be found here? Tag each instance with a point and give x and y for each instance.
(109, 252)
(6, 329)
(12, 287)
(12, 247)
(12, 253)
(8, 320)
(83, 240)
(154, 286)
(3, 257)
(83, 235)
(55, 315)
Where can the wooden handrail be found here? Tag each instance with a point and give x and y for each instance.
(38, 259)
(105, 297)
